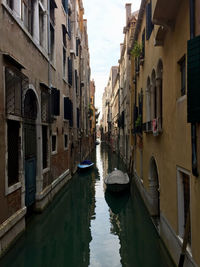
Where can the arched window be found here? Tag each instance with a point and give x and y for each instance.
(148, 100)
(159, 92)
(153, 96)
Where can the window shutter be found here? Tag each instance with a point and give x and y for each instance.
(193, 80)
(69, 27)
(77, 44)
(149, 24)
(71, 114)
(65, 5)
(68, 110)
(55, 102)
(76, 81)
(69, 71)
(77, 117)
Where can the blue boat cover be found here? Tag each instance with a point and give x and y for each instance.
(86, 162)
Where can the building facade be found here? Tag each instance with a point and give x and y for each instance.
(160, 124)
(44, 96)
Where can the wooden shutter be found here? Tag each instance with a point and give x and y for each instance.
(149, 24)
(69, 27)
(193, 80)
(77, 117)
(69, 71)
(68, 110)
(76, 81)
(65, 5)
(77, 45)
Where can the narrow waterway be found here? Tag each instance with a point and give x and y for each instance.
(83, 226)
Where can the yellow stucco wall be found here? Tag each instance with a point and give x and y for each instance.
(172, 148)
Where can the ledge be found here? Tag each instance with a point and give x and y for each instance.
(49, 188)
(11, 221)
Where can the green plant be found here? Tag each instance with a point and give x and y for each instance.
(137, 50)
(138, 122)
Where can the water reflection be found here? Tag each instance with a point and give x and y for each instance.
(85, 226)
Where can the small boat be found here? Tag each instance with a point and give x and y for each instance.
(117, 181)
(86, 164)
(97, 142)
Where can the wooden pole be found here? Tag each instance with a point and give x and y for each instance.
(185, 240)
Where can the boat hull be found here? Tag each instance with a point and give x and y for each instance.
(85, 167)
(116, 188)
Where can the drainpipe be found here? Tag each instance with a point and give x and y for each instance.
(193, 125)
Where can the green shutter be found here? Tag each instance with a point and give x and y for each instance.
(193, 80)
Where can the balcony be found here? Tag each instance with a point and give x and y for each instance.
(164, 12)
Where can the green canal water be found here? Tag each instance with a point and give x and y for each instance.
(83, 226)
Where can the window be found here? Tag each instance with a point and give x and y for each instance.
(52, 11)
(28, 14)
(68, 110)
(69, 27)
(13, 145)
(65, 141)
(64, 62)
(65, 5)
(10, 3)
(64, 31)
(182, 72)
(44, 147)
(69, 71)
(143, 44)
(55, 102)
(41, 26)
(149, 24)
(15, 83)
(54, 143)
(76, 81)
(78, 112)
(183, 179)
(45, 105)
(77, 46)
(52, 40)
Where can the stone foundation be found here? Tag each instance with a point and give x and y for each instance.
(11, 229)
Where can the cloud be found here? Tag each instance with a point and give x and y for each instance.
(106, 20)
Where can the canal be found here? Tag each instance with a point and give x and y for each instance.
(83, 226)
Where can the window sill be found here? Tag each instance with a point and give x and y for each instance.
(54, 153)
(13, 188)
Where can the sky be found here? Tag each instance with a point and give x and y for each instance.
(105, 22)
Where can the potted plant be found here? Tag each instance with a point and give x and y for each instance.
(137, 52)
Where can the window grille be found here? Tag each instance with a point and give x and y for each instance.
(16, 83)
(45, 106)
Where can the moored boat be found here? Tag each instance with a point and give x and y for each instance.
(117, 181)
(86, 164)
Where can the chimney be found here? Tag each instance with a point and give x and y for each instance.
(128, 12)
